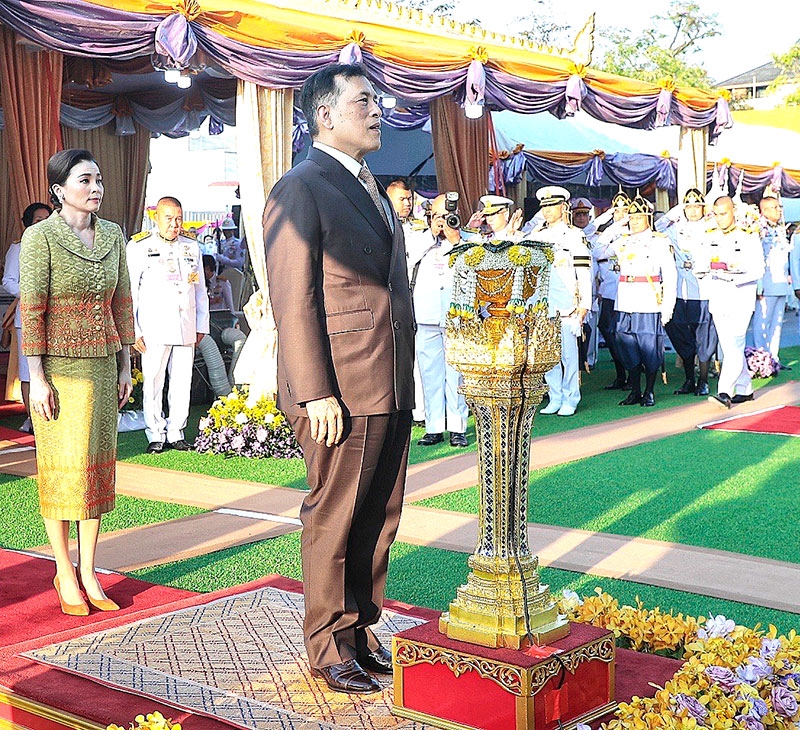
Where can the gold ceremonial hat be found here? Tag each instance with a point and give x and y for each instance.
(693, 195)
(640, 206)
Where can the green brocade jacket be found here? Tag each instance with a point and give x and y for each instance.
(75, 301)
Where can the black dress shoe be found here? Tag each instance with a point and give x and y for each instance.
(722, 399)
(686, 389)
(418, 424)
(701, 389)
(348, 677)
(378, 661)
(430, 439)
(634, 398)
(648, 400)
(741, 398)
(458, 439)
(155, 447)
(181, 445)
(618, 384)
(783, 367)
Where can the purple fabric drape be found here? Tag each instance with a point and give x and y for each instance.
(78, 28)
(755, 183)
(630, 170)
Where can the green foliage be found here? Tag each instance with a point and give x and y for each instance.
(663, 51)
(789, 65)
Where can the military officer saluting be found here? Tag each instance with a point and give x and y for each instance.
(731, 271)
(691, 329)
(645, 300)
(605, 275)
(170, 308)
(570, 293)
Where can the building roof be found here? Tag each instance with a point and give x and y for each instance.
(760, 75)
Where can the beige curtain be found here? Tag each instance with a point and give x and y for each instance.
(461, 152)
(30, 94)
(692, 160)
(9, 225)
(264, 115)
(124, 162)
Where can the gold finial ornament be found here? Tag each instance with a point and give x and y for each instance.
(501, 339)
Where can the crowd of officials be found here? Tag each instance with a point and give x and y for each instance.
(701, 275)
(356, 274)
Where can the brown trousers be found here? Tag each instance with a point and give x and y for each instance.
(350, 519)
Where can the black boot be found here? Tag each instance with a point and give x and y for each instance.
(702, 381)
(635, 380)
(620, 381)
(688, 384)
(649, 399)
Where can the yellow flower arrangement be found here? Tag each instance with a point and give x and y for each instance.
(474, 256)
(519, 255)
(732, 678)
(234, 428)
(153, 721)
(137, 394)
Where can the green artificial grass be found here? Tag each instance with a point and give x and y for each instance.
(597, 406)
(425, 576)
(23, 528)
(730, 491)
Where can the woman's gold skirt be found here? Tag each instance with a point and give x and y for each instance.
(76, 452)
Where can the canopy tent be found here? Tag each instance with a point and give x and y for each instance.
(268, 49)
(583, 150)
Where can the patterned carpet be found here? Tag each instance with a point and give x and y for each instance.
(240, 659)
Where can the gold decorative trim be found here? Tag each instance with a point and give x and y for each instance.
(601, 649)
(425, 718)
(67, 719)
(409, 654)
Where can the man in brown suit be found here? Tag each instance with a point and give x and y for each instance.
(336, 264)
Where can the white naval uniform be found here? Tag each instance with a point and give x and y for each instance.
(445, 407)
(730, 276)
(570, 290)
(411, 230)
(794, 266)
(774, 285)
(170, 307)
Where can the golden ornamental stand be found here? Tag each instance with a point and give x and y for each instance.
(499, 337)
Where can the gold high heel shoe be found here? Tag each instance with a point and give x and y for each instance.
(71, 609)
(101, 604)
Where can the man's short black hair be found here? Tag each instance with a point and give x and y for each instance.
(323, 88)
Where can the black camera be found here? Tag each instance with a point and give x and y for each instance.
(452, 219)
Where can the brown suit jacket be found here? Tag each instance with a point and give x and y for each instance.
(339, 289)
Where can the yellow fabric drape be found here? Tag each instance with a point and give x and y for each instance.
(30, 94)
(396, 34)
(460, 151)
(264, 115)
(124, 162)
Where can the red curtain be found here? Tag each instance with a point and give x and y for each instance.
(30, 94)
(461, 152)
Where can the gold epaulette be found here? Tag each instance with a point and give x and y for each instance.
(141, 235)
(417, 224)
(189, 234)
(659, 234)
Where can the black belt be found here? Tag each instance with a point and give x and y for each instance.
(602, 261)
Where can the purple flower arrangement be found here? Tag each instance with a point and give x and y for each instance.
(233, 427)
(760, 363)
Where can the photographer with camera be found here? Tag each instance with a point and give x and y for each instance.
(431, 283)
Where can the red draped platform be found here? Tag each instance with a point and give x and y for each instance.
(41, 697)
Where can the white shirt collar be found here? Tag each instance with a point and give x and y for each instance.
(353, 165)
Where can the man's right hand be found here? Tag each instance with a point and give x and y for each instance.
(327, 420)
(139, 345)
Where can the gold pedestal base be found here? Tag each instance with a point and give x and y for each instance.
(459, 628)
(490, 609)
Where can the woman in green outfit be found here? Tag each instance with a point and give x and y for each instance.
(77, 324)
